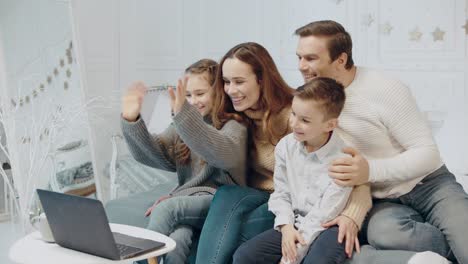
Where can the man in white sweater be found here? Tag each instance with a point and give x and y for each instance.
(418, 205)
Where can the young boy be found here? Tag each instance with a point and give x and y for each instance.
(305, 196)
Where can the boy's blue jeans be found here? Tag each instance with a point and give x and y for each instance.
(266, 248)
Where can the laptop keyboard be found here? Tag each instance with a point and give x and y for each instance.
(127, 250)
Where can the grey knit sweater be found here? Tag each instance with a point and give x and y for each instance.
(218, 157)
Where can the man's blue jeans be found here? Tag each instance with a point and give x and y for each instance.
(431, 217)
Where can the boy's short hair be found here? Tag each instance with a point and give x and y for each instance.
(326, 91)
(339, 40)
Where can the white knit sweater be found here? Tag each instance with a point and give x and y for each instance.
(381, 119)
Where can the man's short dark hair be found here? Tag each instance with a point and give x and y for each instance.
(339, 40)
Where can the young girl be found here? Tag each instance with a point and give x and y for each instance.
(249, 84)
(204, 157)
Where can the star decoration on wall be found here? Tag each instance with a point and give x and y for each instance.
(367, 20)
(415, 34)
(386, 28)
(466, 27)
(438, 34)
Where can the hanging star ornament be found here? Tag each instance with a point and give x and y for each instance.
(386, 28)
(438, 34)
(415, 34)
(466, 27)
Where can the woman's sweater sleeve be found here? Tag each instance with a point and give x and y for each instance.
(359, 204)
(225, 148)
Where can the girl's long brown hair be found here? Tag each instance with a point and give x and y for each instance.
(275, 93)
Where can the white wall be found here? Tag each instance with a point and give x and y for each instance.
(153, 41)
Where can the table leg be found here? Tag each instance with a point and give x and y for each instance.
(153, 261)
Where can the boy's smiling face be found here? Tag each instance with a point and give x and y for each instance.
(308, 121)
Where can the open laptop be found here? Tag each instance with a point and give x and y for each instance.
(81, 224)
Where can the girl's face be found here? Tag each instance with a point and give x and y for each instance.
(200, 93)
(240, 84)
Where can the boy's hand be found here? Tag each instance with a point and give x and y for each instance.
(288, 242)
(350, 171)
(178, 96)
(132, 101)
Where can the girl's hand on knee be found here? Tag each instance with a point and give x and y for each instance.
(148, 212)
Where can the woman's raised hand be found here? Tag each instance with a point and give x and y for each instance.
(132, 101)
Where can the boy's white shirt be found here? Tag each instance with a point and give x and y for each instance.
(305, 195)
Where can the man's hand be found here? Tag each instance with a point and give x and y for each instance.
(132, 101)
(178, 96)
(288, 242)
(347, 230)
(350, 171)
